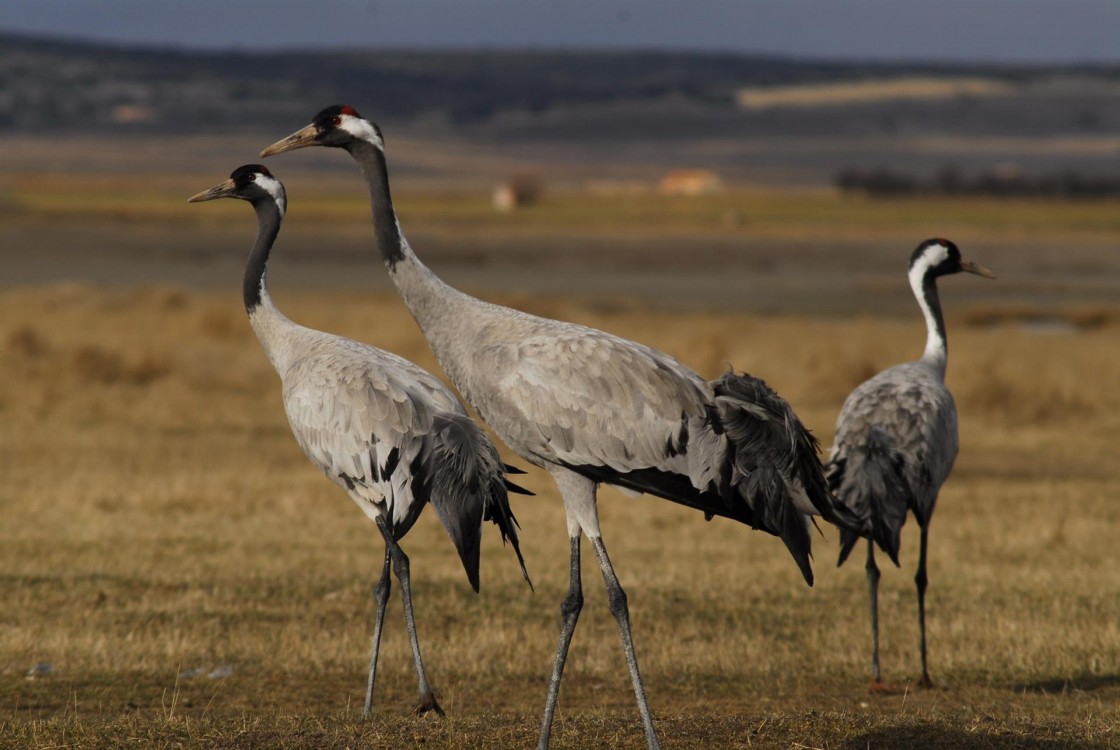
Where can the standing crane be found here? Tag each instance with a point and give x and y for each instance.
(589, 408)
(388, 432)
(896, 440)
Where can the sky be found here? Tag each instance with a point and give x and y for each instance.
(1023, 31)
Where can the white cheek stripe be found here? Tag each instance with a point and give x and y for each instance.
(275, 189)
(362, 129)
(932, 256)
(917, 271)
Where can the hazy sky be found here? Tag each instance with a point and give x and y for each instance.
(950, 30)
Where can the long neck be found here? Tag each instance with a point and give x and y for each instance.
(925, 290)
(425, 294)
(272, 328)
(268, 226)
(390, 241)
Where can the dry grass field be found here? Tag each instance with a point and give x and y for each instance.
(186, 579)
(173, 572)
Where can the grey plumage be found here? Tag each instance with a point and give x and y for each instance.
(619, 412)
(872, 479)
(896, 439)
(590, 407)
(388, 432)
(395, 438)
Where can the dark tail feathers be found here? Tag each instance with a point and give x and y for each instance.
(466, 486)
(771, 448)
(871, 481)
(498, 511)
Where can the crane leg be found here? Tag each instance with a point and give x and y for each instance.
(569, 614)
(579, 506)
(400, 567)
(921, 581)
(873, 585)
(381, 596)
(616, 600)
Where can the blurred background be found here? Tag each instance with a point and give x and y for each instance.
(760, 156)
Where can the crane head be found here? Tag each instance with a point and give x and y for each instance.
(339, 126)
(940, 257)
(251, 182)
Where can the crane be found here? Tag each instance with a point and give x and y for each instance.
(385, 430)
(896, 440)
(592, 408)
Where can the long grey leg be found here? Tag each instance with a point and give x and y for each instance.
(873, 584)
(569, 615)
(616, 599)
(921, 580)
(400, 567)
(381, 596)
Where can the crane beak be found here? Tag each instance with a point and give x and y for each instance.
(299, 139)
(218, 191)
(976, 268)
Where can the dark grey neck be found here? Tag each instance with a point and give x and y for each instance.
(268, 226)
(372, 161)
(438, 308)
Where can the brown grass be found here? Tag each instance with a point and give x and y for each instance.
(160, 524)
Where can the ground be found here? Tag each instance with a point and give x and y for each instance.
(175, 574)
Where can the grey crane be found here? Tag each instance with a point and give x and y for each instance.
(896, 440)
(589, 408)
(388, 432)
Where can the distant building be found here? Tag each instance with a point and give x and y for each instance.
(690, 182)
(127, 114)
(518, 191)
(504, 199)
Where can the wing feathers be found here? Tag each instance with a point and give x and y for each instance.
(622, 413)
(396, 438)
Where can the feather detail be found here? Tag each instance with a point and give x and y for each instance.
(871, 481)
(459, 465)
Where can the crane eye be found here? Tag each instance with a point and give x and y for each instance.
(336, 121)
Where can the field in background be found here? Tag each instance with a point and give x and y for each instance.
(107, 211)
(161, 526)
(174, 573)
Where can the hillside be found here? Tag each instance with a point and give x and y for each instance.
(56, 85)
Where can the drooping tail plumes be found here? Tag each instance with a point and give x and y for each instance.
(499, 512)
(870, 481)
(468, 486)
(775, 468)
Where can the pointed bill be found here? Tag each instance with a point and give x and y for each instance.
(299, 139)
(218, 191)
(976, 268)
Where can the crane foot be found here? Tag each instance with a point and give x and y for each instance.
(428, 704)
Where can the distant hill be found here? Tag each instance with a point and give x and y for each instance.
(54, 85)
